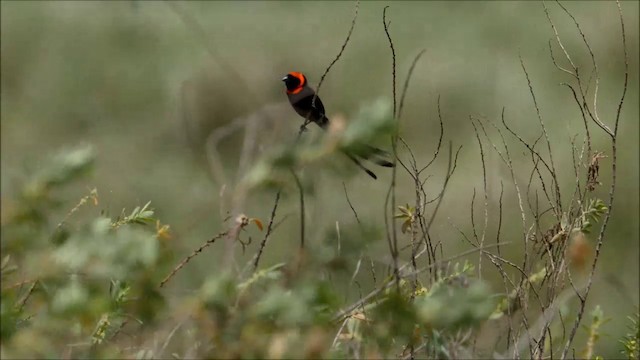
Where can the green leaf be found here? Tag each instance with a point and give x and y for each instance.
(63, 167)
(452, 307)
(71, 298)
(271, 273)
(5, 261)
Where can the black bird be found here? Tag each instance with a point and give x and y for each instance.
(301, 95)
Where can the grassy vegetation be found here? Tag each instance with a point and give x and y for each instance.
(159, 199)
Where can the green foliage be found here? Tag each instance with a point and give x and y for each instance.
(271, 273)
(393, 320)
(592, 214)
(511, 302)
(90, 276)
(593, 330)
(373, 121)
(455, 301)
(138, 216)
(36, 198)
(61, 169)
(631, 341)
(84, 282)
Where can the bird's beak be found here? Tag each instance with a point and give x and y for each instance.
(285, 78)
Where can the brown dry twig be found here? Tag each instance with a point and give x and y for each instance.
(406, 81)
(241, 222)
(612, 188)
(364, 300)
(269, 230)
(392, 238)
(346, 195)
(306, 121)
(191, 256)
(326, 71)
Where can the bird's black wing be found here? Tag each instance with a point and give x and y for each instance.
(315, 113)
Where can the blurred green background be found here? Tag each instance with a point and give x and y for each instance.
(147, 83)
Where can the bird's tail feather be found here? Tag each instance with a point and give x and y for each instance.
(357, 162)
(377, 156)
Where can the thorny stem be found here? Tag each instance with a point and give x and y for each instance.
(269, 229)
(326, 71)
(393, 238)
(306, 121)
(546, 136)
(612, 188)
(191, 256)
(386, 284)
(302, 211)
(486, 198)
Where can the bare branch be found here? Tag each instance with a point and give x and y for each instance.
(269, 230)
(191, 256)
(593, 115)
(486, 197)
(553, 58)
(406, 81)
(302, 212)
(451, 167)
(546, 136)
(626, 70)
(393, 238)
(435, 155)
(349, 202)
(555, 31)
(593, 62)
(345, 312)
(393, 57)
(612, 189)
(326, 71)
(584, 118)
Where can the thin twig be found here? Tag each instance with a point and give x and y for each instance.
(20, 284)
(393, 58)
(546, 136)
(307, 120)
(342, 313)
(302, 212)
(576, 75)
(545, 318)
(393, 238)
(499, 216)
(626, 71)
(335, 339)
(169, 337)
(355, 213)
(406, 81)
(584, 118)
(451, 167)
(566, 54)
(435, 155)
(593, 62)
(20, 305)
(269, 229)
(612, 189)
(326, 71)
(486, 198)
(191, 256)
